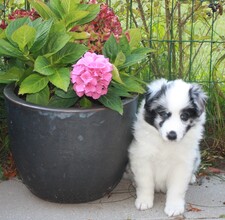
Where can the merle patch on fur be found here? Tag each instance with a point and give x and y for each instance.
(150, 111)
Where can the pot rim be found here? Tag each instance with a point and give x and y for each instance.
(10, 95)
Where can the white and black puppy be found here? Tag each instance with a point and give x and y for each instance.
(164, 154)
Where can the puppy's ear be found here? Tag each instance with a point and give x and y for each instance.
(155, 90)
(198, 98)
(156, 86)
(147, 97)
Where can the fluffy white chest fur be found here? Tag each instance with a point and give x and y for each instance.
(164, 154)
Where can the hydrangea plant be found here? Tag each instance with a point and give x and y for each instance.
(100, 29)
(74, 54)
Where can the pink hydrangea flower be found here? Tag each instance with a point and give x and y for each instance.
(91, 75)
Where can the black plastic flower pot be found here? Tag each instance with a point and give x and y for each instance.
(69, 155)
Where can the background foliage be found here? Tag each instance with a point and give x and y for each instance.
(189, 41)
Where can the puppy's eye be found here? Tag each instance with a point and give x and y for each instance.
(185, 116)
(164, 114)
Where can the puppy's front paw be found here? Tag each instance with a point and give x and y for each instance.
(144, 203)
(174, 208)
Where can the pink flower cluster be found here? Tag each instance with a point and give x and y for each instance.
(91, 75)
(100, 29)
(20, 13)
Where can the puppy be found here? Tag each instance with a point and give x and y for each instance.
(164, 154)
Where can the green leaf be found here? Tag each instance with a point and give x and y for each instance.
(69, 54)
(43, 66)
(112, 101)
(85, 102)
(2, 33)
(58, 102)
(120, 59)
(14, 25)
(69, 5)
(143, 50)
(11, 75)
(132, 84)
(116, 75)
(79, 35)
(7, 49)
(132, 59)
(39, 98)
(61, 8)
(43, 28)
(93, 10)
(135, 38)
(71, 20)
(56, 7)
(61, 78)
(137, 56)
(56, 41)
(24, 36)
(111, 49)
(58, 26)
(66, 95)
(120, 90)
(124, 45)
(33, 83)
(43, 10)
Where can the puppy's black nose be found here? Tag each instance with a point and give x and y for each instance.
(172, 135)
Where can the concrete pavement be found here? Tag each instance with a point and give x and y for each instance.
(205, 201)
